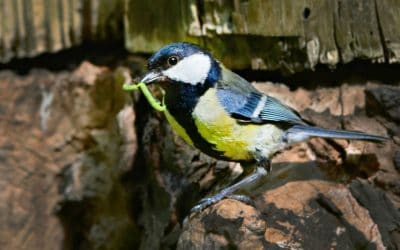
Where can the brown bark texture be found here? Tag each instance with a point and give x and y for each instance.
(85, 166)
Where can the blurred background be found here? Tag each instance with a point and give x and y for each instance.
(84, 165)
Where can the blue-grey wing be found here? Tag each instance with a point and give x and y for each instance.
(246, 103)
(274, 110)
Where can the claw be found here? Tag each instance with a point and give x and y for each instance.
(228, 192)
(206, 202)
(242, 198)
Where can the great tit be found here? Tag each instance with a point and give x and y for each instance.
(223, 115)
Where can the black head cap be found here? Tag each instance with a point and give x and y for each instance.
(180, 50)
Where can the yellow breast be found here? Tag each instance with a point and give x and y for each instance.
(237, 141)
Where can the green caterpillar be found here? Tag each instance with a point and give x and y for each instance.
(146, 92)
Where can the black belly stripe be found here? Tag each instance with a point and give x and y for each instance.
(181, 100)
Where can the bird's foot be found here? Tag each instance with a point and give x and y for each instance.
(242, 198)
(206, 202)
(228, 192)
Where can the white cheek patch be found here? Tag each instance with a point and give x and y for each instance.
(192, 69)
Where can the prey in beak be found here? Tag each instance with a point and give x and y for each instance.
(148, 78)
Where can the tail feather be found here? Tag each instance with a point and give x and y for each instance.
(298, 131)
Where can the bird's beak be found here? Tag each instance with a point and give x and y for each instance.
(152, 76)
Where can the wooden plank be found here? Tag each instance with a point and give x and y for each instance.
(356, 29)
(267, 18)
(364, 24)
(319, 34)
(275, 18)
(388, 13)
(343, 31)
(76, 20)
(31, 27)
(110, 20)
(19, 41)
(149, 27)
(295, 35)
(37, 22)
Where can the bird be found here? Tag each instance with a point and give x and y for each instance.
(224, 116)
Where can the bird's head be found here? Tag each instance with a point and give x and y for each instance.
(182, 63)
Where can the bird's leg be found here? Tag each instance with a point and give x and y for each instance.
(262, 168)
(242, 198)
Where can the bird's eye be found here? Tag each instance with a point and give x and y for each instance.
(172, 60)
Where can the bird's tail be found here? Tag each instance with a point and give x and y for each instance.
(299, 131)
